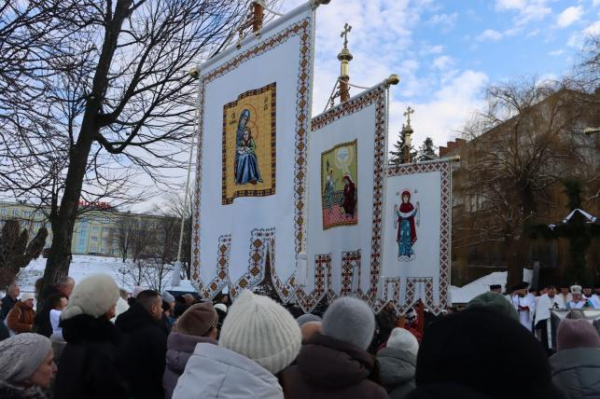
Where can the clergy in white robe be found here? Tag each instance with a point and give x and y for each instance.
(546, 323)
(596, 298)
(524, 305)
(578, 301)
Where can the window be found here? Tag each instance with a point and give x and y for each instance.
(93, 239)
(15, 213)
(26, 214)
(4, 212)
(95, 229)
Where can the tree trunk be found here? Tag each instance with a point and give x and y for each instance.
(59, 257)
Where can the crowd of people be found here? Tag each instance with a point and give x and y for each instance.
(93, 340)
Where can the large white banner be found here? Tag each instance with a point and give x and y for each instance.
(251, 165)
(347, 148)
(416, 260)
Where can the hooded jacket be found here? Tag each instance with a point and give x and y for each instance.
(397, 371)
(142, 352)
(577, 372)
(88, 363)
(330, 368)
(214, 372)
(179, 349)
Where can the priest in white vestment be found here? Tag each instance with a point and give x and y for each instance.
(595, 300)
(578, 301)
(546, 323)
(524, 305)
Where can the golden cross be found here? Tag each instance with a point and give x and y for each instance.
(408, 113)
(344, 34)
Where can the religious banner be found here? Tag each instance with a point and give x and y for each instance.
(416, 259)
(249, 204)
(346, 187)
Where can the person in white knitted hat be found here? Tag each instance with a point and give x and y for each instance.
(89, 361)
(26, 365)
(336, 364)
(398, 363)
(259, 339)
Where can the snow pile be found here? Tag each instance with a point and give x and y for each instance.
(469, 291)
(125, 274)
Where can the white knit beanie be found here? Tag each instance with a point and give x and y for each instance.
(262, 330)
(401, 338)
(350, 320)
(93, 296)
(22, 355)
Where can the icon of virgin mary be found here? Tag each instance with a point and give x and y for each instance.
(246, 163)
(405, 223)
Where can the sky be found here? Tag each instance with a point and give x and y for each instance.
(447, 51)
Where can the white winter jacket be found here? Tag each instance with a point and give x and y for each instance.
(214, 372)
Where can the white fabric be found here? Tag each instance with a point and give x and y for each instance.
(359, 126)
(543, 310)
(595, 300)
(281, 65)
(55, 320)
(426, 190)
(215, 372)
(525, 315)
(576, 305)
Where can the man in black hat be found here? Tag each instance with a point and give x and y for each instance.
(497, 288)
(524, 305)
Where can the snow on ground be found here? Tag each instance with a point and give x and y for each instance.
(469, 291)
(84, 265)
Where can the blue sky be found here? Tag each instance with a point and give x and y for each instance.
(447, 51)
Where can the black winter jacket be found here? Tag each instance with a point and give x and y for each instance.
(142, 352)
(88, 364)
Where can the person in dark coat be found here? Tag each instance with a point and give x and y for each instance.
(398, 363)
(88, 364)
(197, 325)
(483, 351)
(335, 364)
(144, 346)
(576, 364)
(10, 300)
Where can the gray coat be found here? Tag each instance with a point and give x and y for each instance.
(397, 371)
(577, 372)
(179, 349)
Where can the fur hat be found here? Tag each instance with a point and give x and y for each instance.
(27, 296)
(93, 296)
(495, 302)
(576, 333)
(576, 289)
(262, 330)
(485, 351)
(350, 320)
(307, 317)
(198, 320)
(401, 338)
(167, 297)
(22, 355)
(222, 307)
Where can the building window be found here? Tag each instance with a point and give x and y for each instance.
(15, 213)
(93, 238)
(95, 229)
(26, 214)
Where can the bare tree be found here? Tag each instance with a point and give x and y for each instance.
(117, 93)
(524, 143)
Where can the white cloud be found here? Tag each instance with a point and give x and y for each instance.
(593, 29)
(446, 21)
(569, 16)
(595, 3)
(526, 10)
(443, 62)
(444, 116)
(555, 53)
(489, 34)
